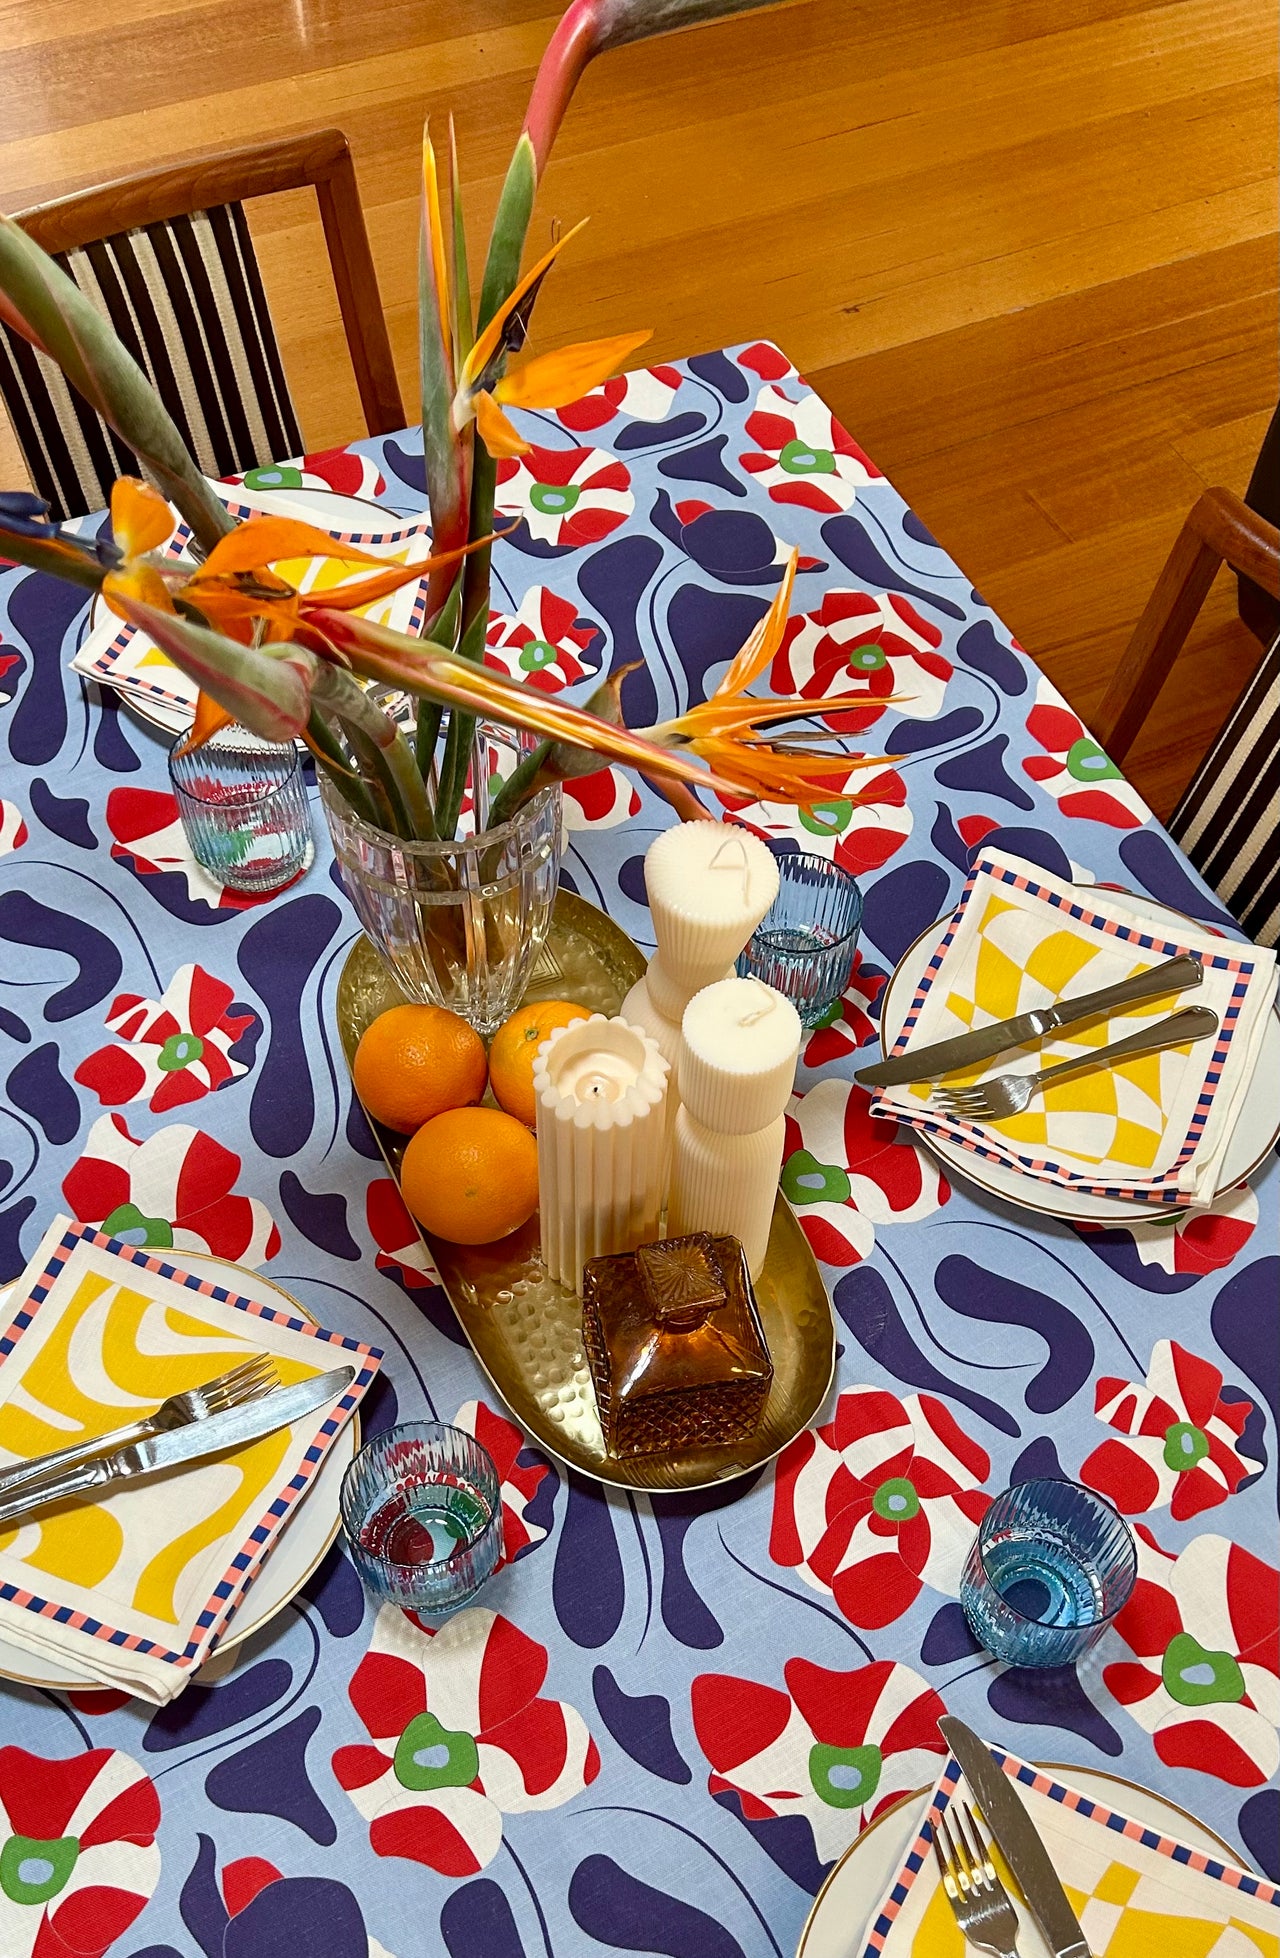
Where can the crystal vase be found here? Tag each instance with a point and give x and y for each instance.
(458, 923)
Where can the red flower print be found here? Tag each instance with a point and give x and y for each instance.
(78, 1856)
(147, 835)
(861, 835)
(1074, 771)
(646, 395)
(401, 1251)
(802, 454)
(172, 1192)
(879, 1503)
(545, 644)
(868, 646)
(835, 1748)
(519, 1482)
(179, 1047)
(1204, 1682)
(847, 1024)
(565, 497)
(13, 829)
(1190, 1244)
(600, 801)
(1180, 1438)
(459, 1738)
(844, 1171)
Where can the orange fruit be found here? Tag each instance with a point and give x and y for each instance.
(471, 1175)
(415, 1061)
(515, 1047)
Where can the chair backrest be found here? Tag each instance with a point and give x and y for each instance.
(1228, 822)
(168, 258)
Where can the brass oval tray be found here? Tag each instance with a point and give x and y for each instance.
(526, 1330)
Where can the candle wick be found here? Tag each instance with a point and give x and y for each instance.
(731, 855)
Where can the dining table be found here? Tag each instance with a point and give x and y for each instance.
(665, 1716)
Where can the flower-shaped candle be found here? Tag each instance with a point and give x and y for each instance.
(600, 1089)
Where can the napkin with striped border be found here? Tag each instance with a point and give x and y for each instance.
(1136, 1891)
(1155, 1129)
(134, 1588)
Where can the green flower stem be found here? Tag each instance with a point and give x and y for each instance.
(475, 620)
(524, 781)
(328, 754)
(380, 749)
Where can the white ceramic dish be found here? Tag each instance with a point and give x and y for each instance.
(310, 1530)
(842, 1910)
(1256, 1130)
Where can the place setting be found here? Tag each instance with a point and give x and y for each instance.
(638, 1228)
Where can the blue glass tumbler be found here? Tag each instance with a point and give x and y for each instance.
(804, 945)
(422, 1512)
(1050, 1567)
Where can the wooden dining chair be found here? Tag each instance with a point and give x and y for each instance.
(167, 257)
(1228, 820)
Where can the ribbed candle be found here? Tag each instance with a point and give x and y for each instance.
(709, 885)
(670, 995)
(600, 1090)
(738, 1063)
(725, 1184)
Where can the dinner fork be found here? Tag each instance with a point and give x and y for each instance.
(973, 1888)
(1008, 1094)
(246, 1382)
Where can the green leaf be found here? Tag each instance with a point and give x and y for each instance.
(39, 299)
(510, 228)
(57, 556)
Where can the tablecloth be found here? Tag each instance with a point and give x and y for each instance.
(664, 1718)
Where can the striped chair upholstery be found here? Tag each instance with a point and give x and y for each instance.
(186, 298)
(1228, 822)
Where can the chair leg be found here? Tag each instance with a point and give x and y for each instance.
(1158, 637)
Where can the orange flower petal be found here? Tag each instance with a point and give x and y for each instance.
(759, 648)
(554, 379)
(435, 241)
(485, 347)
(260, 541)
(141, 582)
(499, 436)
(141, 520)
(209, 717)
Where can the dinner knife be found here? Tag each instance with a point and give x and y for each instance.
(1019, 1841)
(210, 1437)
(921, 1063)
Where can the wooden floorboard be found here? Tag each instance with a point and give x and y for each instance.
(1027, 253)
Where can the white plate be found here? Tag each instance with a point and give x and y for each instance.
(1256, 1130)
(324, 508)
(841, 1917)
(303, 1542)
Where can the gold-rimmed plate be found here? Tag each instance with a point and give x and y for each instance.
(841, 1917)
(526, 1330)
(302, 1544)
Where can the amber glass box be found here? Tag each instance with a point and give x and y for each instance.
(675, 1345)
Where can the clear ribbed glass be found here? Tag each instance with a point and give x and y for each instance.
(1050, 1567)
(805, 943)
(422, 1512)
(243, 805)
(461, 923)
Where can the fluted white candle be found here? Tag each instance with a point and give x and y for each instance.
(725, 1183)
(738, 1061)
(600, 1090)
(709, 885)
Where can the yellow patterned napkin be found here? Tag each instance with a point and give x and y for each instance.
(120, 656)
(135, 1588)
(1154, 1129)
(1137, 1893)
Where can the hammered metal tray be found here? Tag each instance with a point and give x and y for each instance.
(526, 1330)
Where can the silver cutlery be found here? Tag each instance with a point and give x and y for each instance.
(973, 1888)
(943, 1056)
(1008, 1094)
(1019, 1842)
(248, 1381)
(213, 1436)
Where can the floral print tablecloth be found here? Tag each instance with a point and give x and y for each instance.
(667, 1718)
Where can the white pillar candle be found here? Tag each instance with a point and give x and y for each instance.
(709, 885)
(725, 1183)
(600, 1089)
(670, 995)
(738, 1061)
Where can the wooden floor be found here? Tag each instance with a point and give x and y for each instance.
(1025, 248)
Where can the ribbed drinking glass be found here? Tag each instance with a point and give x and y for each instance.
(804, 945)
(243, 805)
(1050, 1567)
(422, 1511)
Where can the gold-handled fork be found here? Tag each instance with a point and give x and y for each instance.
(973, 1887)
(246, 1382)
